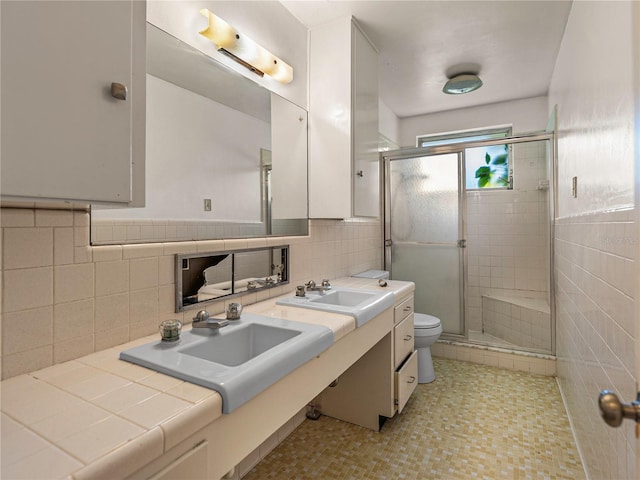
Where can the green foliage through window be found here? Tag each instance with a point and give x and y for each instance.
(487, 167)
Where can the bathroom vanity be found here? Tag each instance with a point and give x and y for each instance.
(376, 370)
(181, 431)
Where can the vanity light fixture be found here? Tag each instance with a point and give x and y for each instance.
(462, 83)
(244, 50)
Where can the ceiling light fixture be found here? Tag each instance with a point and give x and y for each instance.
(462, 83)
(243, 50)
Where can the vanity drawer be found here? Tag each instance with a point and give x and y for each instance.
(405, 308)
(403, 341)
(406, 381)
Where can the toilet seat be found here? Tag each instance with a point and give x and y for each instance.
(424, 321)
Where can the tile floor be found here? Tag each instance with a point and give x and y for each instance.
(474, 421)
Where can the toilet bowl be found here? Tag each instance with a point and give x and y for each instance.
(426, 330)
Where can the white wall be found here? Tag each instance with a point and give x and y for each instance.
(268, 23)
(595, 243)
(527, 115)
(592, 85)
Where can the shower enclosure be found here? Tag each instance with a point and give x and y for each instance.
(471, 225)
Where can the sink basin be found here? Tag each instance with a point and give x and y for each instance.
(363, 305)
(240, 345)
(238, 361)
(344, 298)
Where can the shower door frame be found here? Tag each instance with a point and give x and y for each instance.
(459, 148)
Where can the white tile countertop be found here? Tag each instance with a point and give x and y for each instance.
(101, 417)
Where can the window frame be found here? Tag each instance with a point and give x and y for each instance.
(468, 136)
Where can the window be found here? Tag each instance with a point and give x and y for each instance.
(486, 167)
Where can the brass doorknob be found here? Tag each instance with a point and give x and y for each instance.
(614, 411)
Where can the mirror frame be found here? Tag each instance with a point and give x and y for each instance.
(182, 258)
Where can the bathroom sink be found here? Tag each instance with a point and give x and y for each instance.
(363, 305)
(241, 344)
(344, 298)
(238, 361)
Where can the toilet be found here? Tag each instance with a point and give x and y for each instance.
(426, 330)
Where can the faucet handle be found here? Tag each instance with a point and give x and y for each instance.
(310, 284)
(326, 284)
(233, 311)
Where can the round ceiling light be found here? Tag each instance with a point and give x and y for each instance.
(462, 83)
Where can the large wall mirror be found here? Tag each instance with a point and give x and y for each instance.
(225, 157)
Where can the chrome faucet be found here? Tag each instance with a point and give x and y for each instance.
(202, 320)
(312, 287)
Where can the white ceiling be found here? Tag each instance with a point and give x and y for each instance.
(511, 44)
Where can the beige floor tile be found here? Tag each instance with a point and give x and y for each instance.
(474, 421)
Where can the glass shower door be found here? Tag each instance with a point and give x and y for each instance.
(424, 233)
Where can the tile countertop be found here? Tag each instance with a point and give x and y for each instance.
(100, 417)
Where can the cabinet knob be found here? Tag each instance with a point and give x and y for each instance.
(407, 308)
(411, 379)
(360, 173)
(119, 91)
(407, 337)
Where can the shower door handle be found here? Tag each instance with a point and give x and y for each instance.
(614, 412)
(462, 243)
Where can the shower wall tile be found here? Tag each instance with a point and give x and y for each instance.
(465, 352)
(81, 298)
(508, 235)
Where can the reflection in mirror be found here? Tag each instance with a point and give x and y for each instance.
(204, 278)
(225, 158)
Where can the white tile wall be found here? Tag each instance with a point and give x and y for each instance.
(527, 326)
(595, 332)
(62, 298)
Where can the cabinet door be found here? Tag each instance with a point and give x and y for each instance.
(193, 465)
(64, 135)
(403, 340)
(330, 124)
(366, 176)
(406, 381)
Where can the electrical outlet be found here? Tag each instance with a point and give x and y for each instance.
(207, 204)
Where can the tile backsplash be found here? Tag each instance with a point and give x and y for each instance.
(63, 298)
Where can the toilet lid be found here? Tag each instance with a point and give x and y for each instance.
(422, 320)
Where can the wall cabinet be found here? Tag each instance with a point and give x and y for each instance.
(65, 136)
(343, 122)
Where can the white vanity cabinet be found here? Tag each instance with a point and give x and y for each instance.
(67, 133)
(380, 383)
(343, 122)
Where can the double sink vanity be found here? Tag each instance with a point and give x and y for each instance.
(259, 371)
